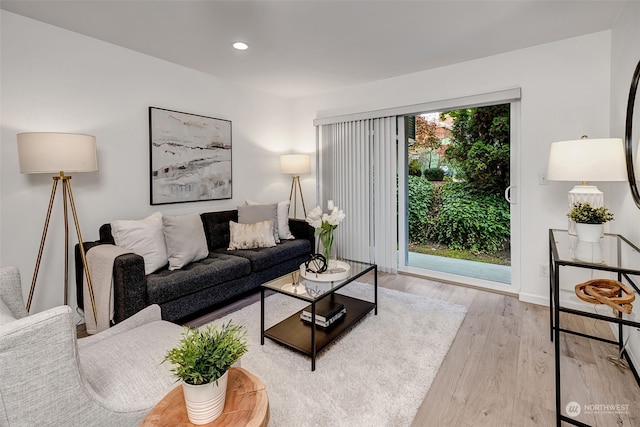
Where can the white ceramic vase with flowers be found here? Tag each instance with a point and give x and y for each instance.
(324, 224)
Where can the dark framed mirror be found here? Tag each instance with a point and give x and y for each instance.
(631, 140)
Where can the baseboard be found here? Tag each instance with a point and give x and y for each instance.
(534, 299)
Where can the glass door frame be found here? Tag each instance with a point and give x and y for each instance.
(403, 222)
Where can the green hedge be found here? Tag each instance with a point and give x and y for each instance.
(467, 220)
(455, 216)
(433, 174)
(420, 198)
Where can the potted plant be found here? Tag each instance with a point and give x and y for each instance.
(202, 361)
(589, 220)
(589, 228)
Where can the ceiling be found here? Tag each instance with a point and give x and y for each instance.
(299, 48)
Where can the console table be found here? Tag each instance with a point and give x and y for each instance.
(622, 260)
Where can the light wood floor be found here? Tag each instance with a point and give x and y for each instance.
(500, 368)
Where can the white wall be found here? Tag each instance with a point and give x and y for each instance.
(56, 80)
(565, 94)
(624, 58)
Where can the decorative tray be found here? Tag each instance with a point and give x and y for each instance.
(338, 270)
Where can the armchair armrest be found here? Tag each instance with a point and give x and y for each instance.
(36, 352)
(149, 314)
(11, 291)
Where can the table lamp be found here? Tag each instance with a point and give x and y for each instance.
(50, 152)
(585, 160)
(295, 165)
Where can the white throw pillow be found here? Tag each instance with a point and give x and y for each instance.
(283, 218)
(143, 237)
(250, 214)
(185, 239)
(251, 236)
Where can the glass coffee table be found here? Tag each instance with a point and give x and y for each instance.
(300, 336)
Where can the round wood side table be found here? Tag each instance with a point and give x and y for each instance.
(246, 404)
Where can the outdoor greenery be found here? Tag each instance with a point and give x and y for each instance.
(584, 213)
(454, 215)
(415, 169)
(468, 211)
(433, 174)
(204, 355)
(427, 145)
(469, 220)
(480, 151)
(420, 198)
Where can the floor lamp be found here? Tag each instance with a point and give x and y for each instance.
(48, 152)
(295, 165)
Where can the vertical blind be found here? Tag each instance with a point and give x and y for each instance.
(358, 168)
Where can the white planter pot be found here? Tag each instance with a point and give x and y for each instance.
(205, 402)
(589, 246)
(589, 232)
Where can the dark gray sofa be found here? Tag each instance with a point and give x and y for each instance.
(214, 281)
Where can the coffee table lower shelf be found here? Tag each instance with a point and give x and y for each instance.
(292, 332)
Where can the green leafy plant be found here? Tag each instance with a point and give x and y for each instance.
(470, 220)
(414, 168)
(204, 355)
(434, 174)
(480, 147)
(584, 213)
(420, 198)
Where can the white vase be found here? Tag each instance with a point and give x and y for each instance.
(589, 246)
(205, 402)
(589, 232)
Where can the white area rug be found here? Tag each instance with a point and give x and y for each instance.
(376, 374)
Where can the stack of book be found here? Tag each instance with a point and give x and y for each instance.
(327, 313)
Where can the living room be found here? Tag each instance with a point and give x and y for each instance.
(61, 81)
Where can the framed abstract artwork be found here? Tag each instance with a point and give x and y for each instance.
(190, 157)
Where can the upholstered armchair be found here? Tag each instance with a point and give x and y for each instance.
(48, 377)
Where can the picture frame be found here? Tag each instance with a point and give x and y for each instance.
(189, 157)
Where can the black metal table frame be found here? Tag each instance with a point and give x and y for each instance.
(330, 294)
(555, 309)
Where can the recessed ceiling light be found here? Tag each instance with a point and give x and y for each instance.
(240, 46)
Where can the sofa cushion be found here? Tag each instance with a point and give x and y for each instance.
(264, 258)
(167, 285)
(251, 236)
(185, 239)
(283, 218)
(252, 214)
(143, 237)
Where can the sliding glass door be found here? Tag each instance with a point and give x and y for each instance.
(460, 203)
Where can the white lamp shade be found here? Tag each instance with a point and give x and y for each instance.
(587, 160)
(295, 164)
(50, 152)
